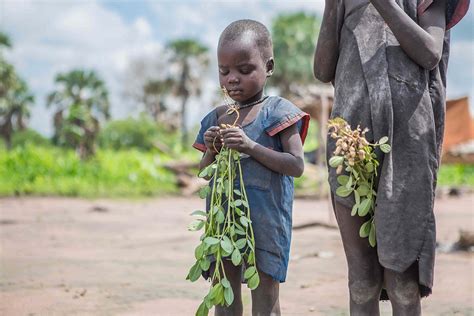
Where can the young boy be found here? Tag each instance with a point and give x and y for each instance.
(387, 60)
(270, 139)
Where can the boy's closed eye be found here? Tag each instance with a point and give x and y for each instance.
(246, 69)
(223, 71)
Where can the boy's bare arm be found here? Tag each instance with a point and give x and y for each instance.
(327, 49)
(423, 42)
(290, 162)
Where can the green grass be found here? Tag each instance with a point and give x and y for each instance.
(50, 170)
(32, 170)
(456, 175)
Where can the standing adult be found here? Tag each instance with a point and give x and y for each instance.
(387, 60)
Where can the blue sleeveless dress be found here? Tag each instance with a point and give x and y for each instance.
(270, 194)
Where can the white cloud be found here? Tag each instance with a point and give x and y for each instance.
(142, 26)
(57, 35)
(461, 70)
(52, 37)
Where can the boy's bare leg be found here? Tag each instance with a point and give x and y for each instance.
(265, 298)
(365, 271)
(403, 291)
(233, 274)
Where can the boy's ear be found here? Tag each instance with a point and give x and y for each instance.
(270, 67)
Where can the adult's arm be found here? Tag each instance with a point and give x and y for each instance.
(422, 42)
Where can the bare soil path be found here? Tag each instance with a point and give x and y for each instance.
(63, 256)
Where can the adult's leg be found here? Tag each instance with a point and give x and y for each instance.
(365, 271)
(265, 298)
(233, 274)
(403, 291)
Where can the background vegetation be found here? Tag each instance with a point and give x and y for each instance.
(90, 155)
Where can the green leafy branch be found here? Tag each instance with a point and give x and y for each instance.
(228, 232)
(356, 156)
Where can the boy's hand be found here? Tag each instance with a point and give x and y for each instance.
(235, 138)
(212, 138)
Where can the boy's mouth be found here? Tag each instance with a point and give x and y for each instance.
(234, 92)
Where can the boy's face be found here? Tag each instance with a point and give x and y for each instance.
(242, 71)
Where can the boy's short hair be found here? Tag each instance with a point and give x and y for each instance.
(262, 36)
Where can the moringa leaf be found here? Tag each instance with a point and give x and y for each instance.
(236, 257)
(211, 241)
(194, 272)
(249, 272)
(241, 243)
(254, 281)
(205, 264)
(363, 189)
(204, 191)
(225, 283)
(349, 184)
(199, 251)
(227, 245)
(250, 258)
(342, 191)
(386, 148)
(196, 225)
(229, 296)
(199, 213)
(342, 179)
(354, 209)
(202, 310)
(364, 207)
(383, 140)
(357, 197)
(372, 238)
(364, 230)
(220, 217)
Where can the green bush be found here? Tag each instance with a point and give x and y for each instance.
(29, 136)
(139, 133)
(58, 171)
(456, 175)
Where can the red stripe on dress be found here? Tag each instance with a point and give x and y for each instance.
(459, 13)
(282, 126)
(200, 147)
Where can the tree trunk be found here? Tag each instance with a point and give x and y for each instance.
(6, 130)
(183, 91)
(184, 137)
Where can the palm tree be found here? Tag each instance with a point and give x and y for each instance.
(15, 98)
(154, 93)
(192, 60)
(5, 40)
(81, 99)
(13, 116)
(7, 71)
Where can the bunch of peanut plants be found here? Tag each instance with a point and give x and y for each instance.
(356, 156)
(228, 233)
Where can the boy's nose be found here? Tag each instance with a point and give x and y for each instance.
(233, 79)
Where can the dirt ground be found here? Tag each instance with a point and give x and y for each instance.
(119, 257)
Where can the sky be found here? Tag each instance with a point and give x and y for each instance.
(52, 36)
